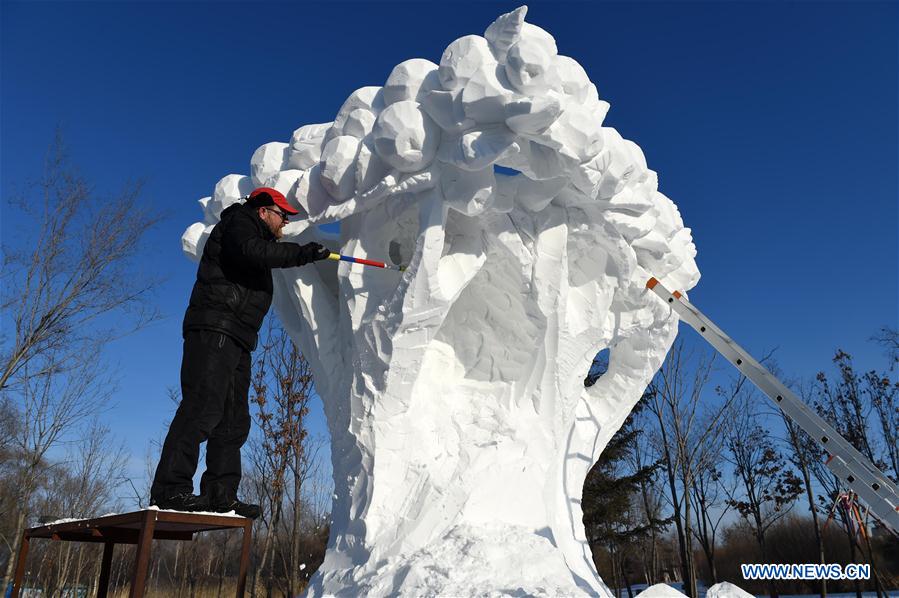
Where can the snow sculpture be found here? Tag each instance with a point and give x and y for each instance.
(460, 429)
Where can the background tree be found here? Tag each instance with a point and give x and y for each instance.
(285, 459)
(710, 486)
(888, 338)
(768, 485)
(847, 401)
(70, 285)
(804, 453)
(687, 415)
(73, 269)
(651, 505)
(611, 503)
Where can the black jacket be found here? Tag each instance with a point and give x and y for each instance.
(233, 291)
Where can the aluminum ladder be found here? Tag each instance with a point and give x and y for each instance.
(854, 469)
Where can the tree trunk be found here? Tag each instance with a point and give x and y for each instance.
(690, 580)
(14, 549)
(62, 572)
(810, 496)
(93, 577)
(872, 559)
(79, 564)
(678, 523)
(615, 579)
(710, 559)
(221, 579)
(760, 538)
(819, 539)
(852, 557)
(182, 577)
(624, 578)
(707, 543)
(254, 570)
(295, 555)
(649, 576)
(157, 575)
(268, 548)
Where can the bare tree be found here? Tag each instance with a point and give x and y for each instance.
(70, 286)
(650, 505)
(888, 338)
(709, 488)
(76, 267)
(805, 452)
(52, 407)
(285, 458)
(685, 425)
(883, 394)
(768, 487)
(847, 402)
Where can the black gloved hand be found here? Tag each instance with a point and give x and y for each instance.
(313, 252)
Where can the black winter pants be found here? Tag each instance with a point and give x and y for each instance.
(215, 380)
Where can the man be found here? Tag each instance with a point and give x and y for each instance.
(230, 298)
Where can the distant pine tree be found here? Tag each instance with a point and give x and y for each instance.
(613, 519)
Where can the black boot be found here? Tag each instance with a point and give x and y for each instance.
(182, 502)
(250, 511)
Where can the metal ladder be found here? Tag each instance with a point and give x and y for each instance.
(854, 469)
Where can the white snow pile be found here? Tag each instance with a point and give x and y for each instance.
(660, 590)
(726, 589)
(460, 430)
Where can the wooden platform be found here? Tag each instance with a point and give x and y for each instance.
(141, 528)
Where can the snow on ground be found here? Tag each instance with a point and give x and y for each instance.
(726, 590)
(660, 590)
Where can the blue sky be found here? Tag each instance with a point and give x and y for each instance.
(773, 126)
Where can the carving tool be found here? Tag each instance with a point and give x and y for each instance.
(358, 260)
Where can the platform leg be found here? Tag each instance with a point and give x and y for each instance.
(244, 558)
(142, 559)
(20, 566)
(105, 565)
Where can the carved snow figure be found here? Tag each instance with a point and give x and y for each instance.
(461, 432)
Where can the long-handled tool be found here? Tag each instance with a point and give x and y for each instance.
(358, 260)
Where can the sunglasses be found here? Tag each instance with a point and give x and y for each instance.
(278, 212)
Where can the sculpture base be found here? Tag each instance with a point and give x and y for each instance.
(497, 560)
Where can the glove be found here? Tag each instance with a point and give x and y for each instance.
(313, 252)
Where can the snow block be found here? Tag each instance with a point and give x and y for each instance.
(410, 78)
(338, 172)
(405, 137)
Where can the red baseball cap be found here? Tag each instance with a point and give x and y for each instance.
(266, 196)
